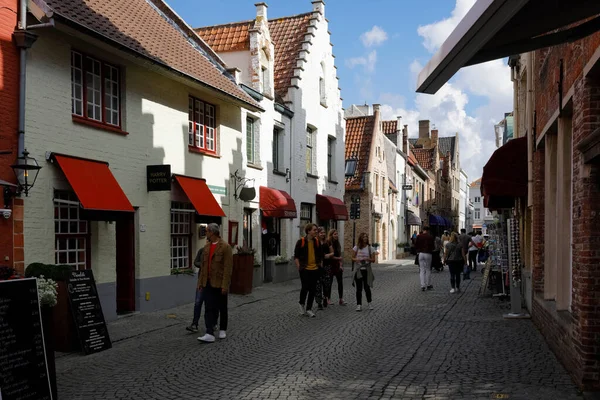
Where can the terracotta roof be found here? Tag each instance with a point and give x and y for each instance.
(425, 157)
(151, 29)
(287, 34)
(476, 183)
(389, 127)
(412, 160)
(227, 37)
(359, 134)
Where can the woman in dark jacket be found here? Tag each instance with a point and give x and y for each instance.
(337, 269)
(453, 256)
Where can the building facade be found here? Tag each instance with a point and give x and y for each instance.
(482, 216)
(295, 148)
(463, 204)
(137, 155)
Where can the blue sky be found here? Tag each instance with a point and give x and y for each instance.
(406, 34)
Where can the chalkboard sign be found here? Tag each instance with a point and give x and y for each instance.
(87, 312)
(23, 370)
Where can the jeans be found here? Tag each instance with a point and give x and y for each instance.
(216, 308)
(456, 269)
(309, 284)
(339, 276)
(425, 269)
(360, 282)
(198, 306)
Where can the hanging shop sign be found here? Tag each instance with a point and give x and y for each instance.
(158, 177)
(23, 368)
(87, 312)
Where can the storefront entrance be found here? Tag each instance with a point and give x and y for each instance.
(125, 238)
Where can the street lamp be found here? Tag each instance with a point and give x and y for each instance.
(26, 170)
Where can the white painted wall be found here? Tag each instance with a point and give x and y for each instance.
(155, 114)
(464, 197)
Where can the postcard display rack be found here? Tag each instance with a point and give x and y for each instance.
(498, 261)
(514, 261)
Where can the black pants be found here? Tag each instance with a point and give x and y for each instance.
(456, 269)
(360, 282)
(473, 260)
(339, 276)
(216, 308)
(309, 286)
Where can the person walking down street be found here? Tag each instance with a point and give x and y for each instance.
(199, 299)
(307, 256)
(453, 256)
(324, 282)
(215, 278)
(474, 246)
(425, 245)
(364, 255)
(464, 241)
(436, 256)
(337, 269)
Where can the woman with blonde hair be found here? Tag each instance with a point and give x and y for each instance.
(454, 258)
(337, 269)
(364, 254)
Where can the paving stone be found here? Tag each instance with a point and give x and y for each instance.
(413, 345)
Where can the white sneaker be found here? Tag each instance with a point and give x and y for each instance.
(222, 334)
(302, 309)
(359, 308)
(310, 314)
(371, 306)
(207, 338)
(452, 290)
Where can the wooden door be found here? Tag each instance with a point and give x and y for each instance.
(125, 235)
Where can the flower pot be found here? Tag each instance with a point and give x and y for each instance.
(242, 275)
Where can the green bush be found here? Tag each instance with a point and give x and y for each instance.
(58, 273)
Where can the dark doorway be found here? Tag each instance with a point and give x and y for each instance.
(125, 235)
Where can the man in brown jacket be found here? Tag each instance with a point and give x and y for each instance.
(214, 280)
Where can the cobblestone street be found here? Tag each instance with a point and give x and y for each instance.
(412, 345)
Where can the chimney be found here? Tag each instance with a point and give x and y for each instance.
(376, 108)
(405, 139)
(261, 11)
(434, 137)
(319, 6)
(399, 137)
(424, 129)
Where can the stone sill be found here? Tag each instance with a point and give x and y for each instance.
(196, 150)
(277, 172)
(312, 176)
(254, 166)
(99, 125)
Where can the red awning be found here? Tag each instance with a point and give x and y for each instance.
(505, 174)
(200, 196)
(94, 184)
(276, 203)
(331, 208)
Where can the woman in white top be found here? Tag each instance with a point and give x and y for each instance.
(364, 255)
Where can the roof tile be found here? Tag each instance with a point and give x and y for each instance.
(152, 29)
(389, 127)
(425, 157)
(359, 134)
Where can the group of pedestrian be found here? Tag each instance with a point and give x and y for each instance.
(461, 253)
(318, 258)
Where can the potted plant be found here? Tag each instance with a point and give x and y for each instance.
(375, 245)
(48, 298)
(282, 259)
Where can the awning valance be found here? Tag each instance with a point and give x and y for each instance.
(413, 219)
(494, 29)
(437, 220)
(505, 174)
(276, 203)
(94, 185)
(200, 196)
(331, 208)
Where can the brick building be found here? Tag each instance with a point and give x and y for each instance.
(11, 208)
(557, 114)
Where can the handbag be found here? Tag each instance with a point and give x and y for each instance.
(417, 259)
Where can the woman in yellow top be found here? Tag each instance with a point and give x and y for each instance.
(308, 258)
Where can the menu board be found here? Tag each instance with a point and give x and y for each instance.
(87, 312)
(23, 370)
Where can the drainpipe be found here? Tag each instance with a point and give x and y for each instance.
(23, 40)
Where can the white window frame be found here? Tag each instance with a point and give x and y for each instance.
(72, 234)
(250, 140)
(182, 218)
(202, 133)
(310, 150)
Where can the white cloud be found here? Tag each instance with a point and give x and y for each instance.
(374, 37)
(447, 109)
(368, 62)
(436, 33)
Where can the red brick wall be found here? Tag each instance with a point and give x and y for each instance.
(575, 56)
(9, 97)
(586, 233)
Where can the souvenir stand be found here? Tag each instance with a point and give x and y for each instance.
(496, 276)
